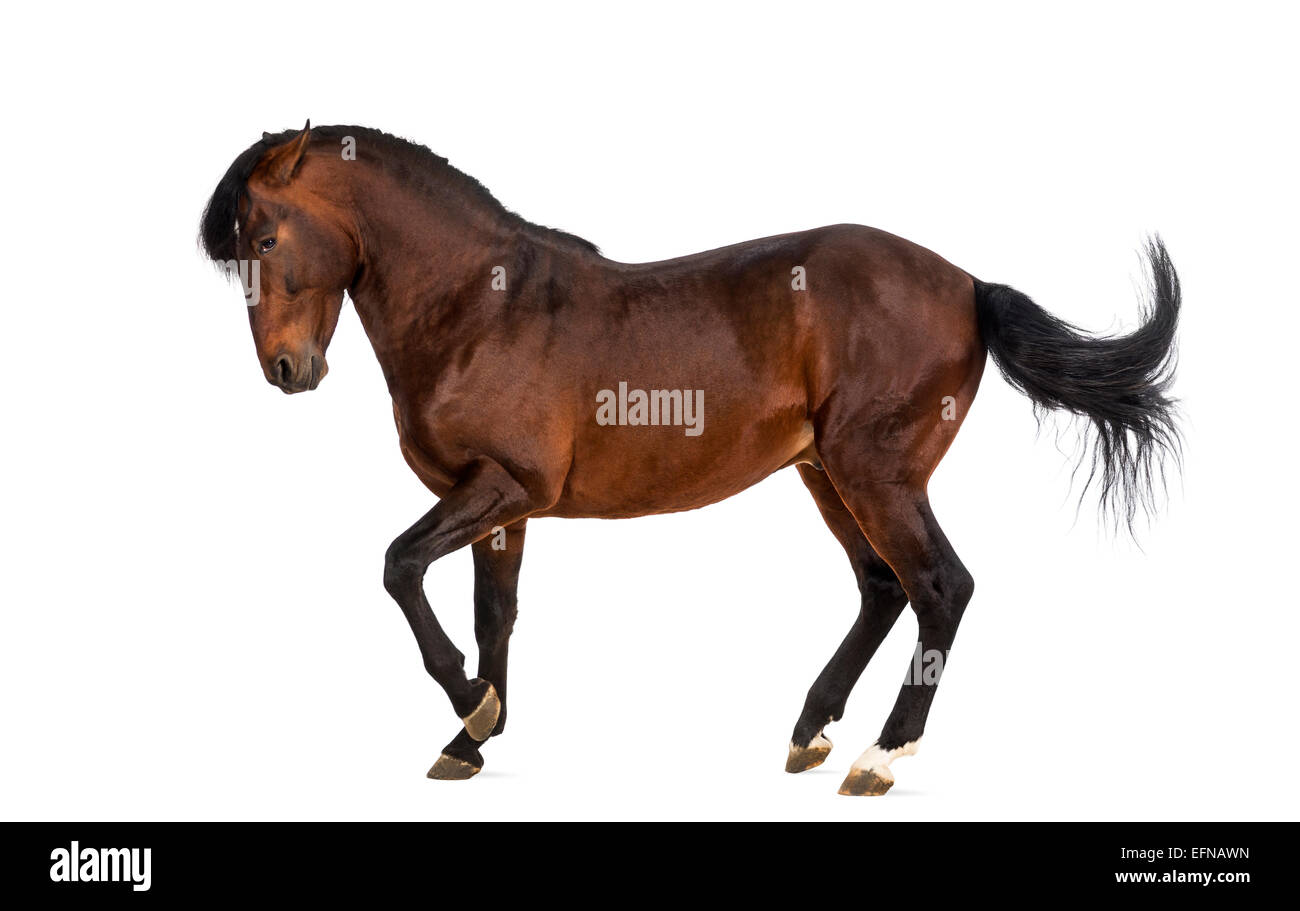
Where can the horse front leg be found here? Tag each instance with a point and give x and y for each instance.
(497, 559)
(486, 497)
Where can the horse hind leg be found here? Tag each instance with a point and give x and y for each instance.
(882, 600)
(898, 521)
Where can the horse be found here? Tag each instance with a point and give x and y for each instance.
(845, 351)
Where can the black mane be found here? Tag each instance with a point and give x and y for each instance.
(219, 227)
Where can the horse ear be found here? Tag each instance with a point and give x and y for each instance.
(284, 161)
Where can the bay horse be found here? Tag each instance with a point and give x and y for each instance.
(845, 351)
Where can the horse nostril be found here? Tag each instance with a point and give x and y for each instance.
(283, 369)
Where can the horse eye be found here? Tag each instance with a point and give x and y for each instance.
(266, 246)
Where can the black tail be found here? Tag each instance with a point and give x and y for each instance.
(1120, 384)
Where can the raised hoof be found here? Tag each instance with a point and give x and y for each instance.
(480, 722)
(867, 782)
(449, 768)
(801, 759)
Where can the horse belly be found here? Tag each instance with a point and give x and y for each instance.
(612, 478)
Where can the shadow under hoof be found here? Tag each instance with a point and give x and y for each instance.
(867, 782)
(480, 722)
(801, 759)
(449, 768)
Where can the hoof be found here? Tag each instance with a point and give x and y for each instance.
(480, 722)
(801, 759)
(449, 768)
(870, 775)
(867, 782)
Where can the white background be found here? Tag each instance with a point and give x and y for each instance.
(194, 625)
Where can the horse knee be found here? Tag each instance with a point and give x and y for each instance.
(961, 584)
(399, 571)
(494, 622)
(943, 595)
(880, 587)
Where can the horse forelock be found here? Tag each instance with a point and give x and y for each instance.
(219, 227)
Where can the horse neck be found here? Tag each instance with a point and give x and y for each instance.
(420, 251)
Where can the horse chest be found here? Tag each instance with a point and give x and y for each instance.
(435, 476)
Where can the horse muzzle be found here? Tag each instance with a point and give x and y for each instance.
(296, 374)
